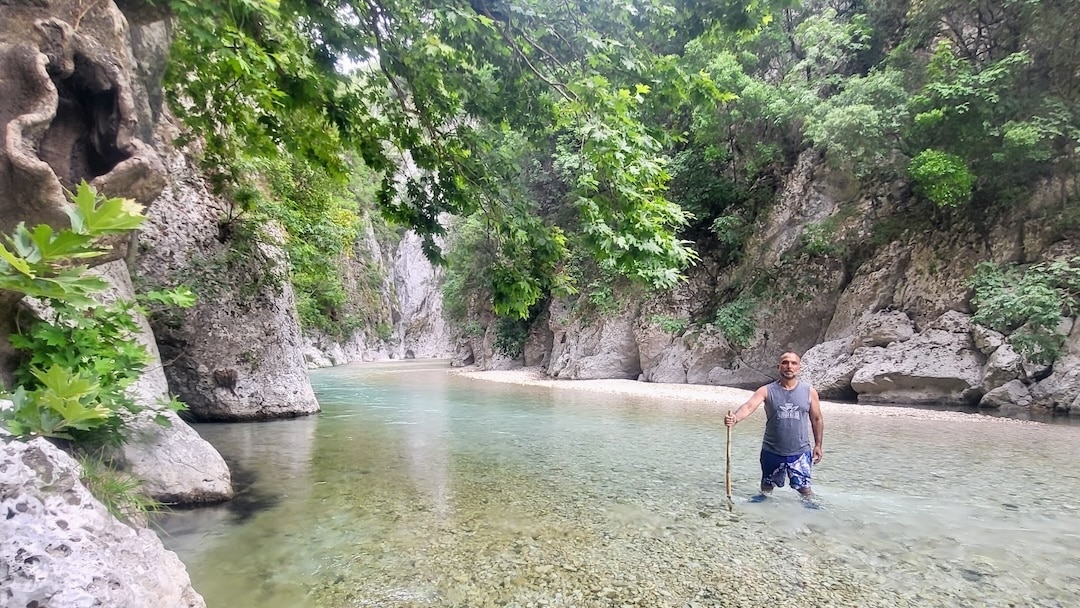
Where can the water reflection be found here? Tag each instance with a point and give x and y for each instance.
(235, 544)
(416, 488)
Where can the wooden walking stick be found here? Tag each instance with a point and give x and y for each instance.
(727, 480)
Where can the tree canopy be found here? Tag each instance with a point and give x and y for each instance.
(626, 126)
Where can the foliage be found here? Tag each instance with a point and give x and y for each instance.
(668, 324)
(820, 240)
(629, 129)
(731, 231)
(998, 91)
(472, 329)
(723, 175)
(321, 218)
(81, 359)
(829, 46)
(510, 257)
(510, 336)
(1028, 303)
(91, 361)
(859, 126)
(600, 294)
(620, 179)
(942, 178)
(120, 492)
(40, 261)
(471, 254)
(426, 93)
(736, 321)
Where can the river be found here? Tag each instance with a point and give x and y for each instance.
(415, 487)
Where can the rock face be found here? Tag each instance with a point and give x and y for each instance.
(237, 354)
(603, 348)
(423, 331)
(891, 324)
(409, 323)
(74, 110)
(60, 547)
(69, 113)
(940, 365)
(80, 93)
(176, 465)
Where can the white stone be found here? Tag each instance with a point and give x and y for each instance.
(60, 547)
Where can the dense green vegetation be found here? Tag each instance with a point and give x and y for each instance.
(1027, 304)
(641, 132)
(80, 357)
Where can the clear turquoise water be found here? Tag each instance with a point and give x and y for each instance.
(415, 487)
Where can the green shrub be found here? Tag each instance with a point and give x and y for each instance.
(736, 320)
(671, 325)
(601, 297)
(1027, 304)
(472, 329)
(942, 178)
(510, 335)
(80, 360)
(817, 240)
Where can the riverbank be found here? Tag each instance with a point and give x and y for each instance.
(722, 396)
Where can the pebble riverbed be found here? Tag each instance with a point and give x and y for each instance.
(422, 487)
(665, 550)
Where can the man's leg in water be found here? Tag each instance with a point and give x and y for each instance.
(799, 473)
(766, 491)
(771, 472)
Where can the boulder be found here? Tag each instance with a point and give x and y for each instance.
(829, 367)
(882, 328)
(538, 344)
(709, 354)
(663, 356)
(1012, 393)
(175, 464)
(59, 546)
(986, 339)
(941, 365)
(1002, 366)
(1058, 387)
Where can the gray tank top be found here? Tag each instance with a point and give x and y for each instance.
(787, 428)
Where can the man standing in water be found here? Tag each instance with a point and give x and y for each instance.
(791, 408)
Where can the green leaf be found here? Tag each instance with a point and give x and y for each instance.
(14, 262)
(101, 216)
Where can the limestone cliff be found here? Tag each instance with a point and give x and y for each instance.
(890, 323)
(81, 87)
(236, 355)
(74, 110)
(404, 309)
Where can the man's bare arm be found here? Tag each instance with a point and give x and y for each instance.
(817, 424)
(747, 408)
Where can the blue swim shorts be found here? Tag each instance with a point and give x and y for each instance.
(775, 468)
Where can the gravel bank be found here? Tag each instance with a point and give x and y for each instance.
(722, 396)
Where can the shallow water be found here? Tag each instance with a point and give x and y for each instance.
(415, 487)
